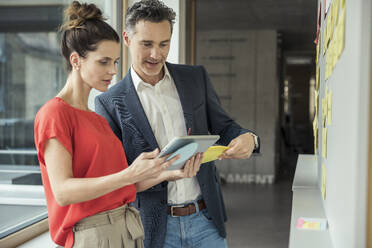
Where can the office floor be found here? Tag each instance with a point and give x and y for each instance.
(258, 215)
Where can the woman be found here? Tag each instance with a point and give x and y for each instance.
(86, 178)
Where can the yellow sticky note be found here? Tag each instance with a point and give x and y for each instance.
(323, 189)
(328, 68)
(213, 152)
(317, 78)
(331, 21)
(322, 113)
(329, 109)
(343, 4)
(324, 109)
(315, 122)
(315, 132)
(342, 31)
(334, 52)
(324, 37)
(311, 223)
(317, 53)
(337, 42)
(324, 142)
(337, 4)
(330, 63)
(316, 99)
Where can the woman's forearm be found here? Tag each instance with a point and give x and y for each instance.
(75, 190)
(68, 190)
(146, 184)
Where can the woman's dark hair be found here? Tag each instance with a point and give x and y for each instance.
(84, 27)
(148, 10)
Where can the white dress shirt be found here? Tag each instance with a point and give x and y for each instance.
(163, 109)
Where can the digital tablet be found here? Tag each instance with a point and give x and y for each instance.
(183, 145)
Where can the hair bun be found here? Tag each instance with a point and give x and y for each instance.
(78, 14)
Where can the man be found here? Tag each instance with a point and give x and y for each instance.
(157, 101)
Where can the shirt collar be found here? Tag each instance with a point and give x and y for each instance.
(137, 81)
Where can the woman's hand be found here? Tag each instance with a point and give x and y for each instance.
(148, 166)
(191, 168)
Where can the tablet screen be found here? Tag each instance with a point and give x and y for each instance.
(187, 146)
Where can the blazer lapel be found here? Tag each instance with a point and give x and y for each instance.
(185, 94)
(135, 110)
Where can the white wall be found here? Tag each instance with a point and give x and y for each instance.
(347, 139)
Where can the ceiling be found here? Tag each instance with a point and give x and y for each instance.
(295, 20)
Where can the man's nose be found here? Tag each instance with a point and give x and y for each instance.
(155, 53)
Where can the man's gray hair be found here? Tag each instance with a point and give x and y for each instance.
(148, 10)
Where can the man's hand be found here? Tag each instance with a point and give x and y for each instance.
(239, 148)
(190, 169)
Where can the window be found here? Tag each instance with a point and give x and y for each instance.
(31, 73)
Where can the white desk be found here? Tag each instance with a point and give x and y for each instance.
(307, 202)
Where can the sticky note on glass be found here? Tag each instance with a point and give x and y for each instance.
(343, 4)
(336, 8)
(315, 131)
(317, 78)
(329, 110)
(324, 142)
(213, 152)
(311, 223)
(323, 190)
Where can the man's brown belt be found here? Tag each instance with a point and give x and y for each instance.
(185, 210)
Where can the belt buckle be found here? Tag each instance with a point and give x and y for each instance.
(177, 206)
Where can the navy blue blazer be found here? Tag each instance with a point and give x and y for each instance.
(203, 113)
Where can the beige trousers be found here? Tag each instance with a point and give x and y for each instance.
(117, 228)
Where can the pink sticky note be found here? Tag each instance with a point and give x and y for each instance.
(300, 222)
